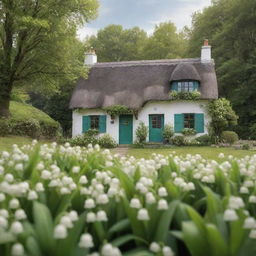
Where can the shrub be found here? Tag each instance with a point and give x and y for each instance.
(252, 131)
(204, 140)
(175, 95)
(141, 132)
(4, 127)
(168, 133)
(118, 110)
(29, 127)
(222, 116)
(229, 137)
(178, 140)
(106, 141)
(188, 131)
(246, 146)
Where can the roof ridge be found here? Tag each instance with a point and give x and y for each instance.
(147, 62)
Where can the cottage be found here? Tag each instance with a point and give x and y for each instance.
(152, 90)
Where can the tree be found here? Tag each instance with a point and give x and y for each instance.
(230, 27)
(37, 43)
(165, 43)
(113, 43)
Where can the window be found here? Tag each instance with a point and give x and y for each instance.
(185, 86)
(95, 122)
(189, 121)
(156, 121)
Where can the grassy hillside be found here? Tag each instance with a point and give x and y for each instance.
(26, 120)
(20, 111)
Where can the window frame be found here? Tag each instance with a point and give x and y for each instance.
(185, 85)
(188, 120)
(92, 122)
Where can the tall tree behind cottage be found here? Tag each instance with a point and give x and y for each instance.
(230, 27)
(37, 38)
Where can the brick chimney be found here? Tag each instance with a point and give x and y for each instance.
(206, 53)
(90, 58)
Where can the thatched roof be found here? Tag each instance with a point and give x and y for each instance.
(134, 83)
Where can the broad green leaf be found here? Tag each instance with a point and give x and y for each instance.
(44, 227)
(127, 238)
(218, 245)
(192, 237)
(33, 247)
(119, 226)
(138, 252)
(164, 222)
(33, 160)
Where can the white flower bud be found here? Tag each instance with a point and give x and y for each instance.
(167, 251)
(4, 213)
(3, 222)
(135, 203)
(89, 203)
(46, 175)
(83, 180)
(90, 217)
(150, 199)
(253, 234)
(221, 155)
(60, 232)
(66, 221)
(244, 190)
(16, 227)
(101, 216)
(143, 214)
(162, 191)
(154, 247)
(17, 250)
(76, 169)
(65, 191)
(162, 205)
(2, 197)
(102, 199)
(230, 215)
(249, 223)
(86, 241)
(252, 199)
(32, 195)
(9, 177)
(73, 215)
(20, 214)
(14, 203)
(39, 187)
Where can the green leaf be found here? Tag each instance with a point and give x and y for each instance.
(192, 237)
(33, 247)
(125, 239)
(218, 245)
(33, 160)
(119, 226)
(164, 222)
(138, 252)
(44, 227)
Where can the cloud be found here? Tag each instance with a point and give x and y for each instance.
(82, 33)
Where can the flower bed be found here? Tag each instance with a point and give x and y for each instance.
(59, 200)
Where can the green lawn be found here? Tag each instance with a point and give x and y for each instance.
(206, 152)
(7, 142)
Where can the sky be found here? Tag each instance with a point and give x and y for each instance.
(143, 13)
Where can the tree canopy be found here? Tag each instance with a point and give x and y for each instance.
(230, 27)
(38, 45)
(113, 43)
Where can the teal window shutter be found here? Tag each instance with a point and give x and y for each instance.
(86, 123)
(199, 123)
(174, 86)
(178, 123)
(103, 123)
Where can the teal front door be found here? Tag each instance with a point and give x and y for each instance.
(156, 126)
(125, 129)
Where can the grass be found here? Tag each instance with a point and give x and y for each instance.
(7, 142)
(206, 152)
(21, 111)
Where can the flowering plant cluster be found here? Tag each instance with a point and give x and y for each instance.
(63, 200)
(194, 95)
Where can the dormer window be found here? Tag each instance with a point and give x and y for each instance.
(185, 86)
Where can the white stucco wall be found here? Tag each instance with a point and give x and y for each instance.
(166, 108)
